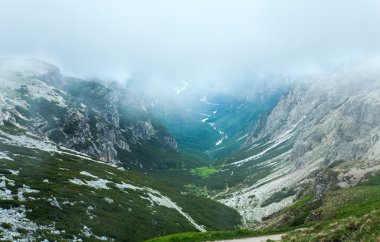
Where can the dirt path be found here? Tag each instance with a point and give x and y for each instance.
(264, 238)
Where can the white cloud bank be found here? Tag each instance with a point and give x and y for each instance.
(199, 41)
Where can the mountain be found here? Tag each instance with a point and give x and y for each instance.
(51, 192)
(309, 168)
(100, 160)
(86, 116)
(213, 125)
(65, 149)
(331, 121)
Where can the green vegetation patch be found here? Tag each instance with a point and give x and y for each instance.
(216, 235)
(204, 171)
(196, 190)
(363, 228)
(372, 180)
(123, 215)
(279, 196)
(351, 201)
(297, 213)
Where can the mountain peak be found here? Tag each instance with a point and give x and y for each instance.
(26, 67)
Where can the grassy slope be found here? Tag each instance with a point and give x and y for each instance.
(216, 235)
(209, 180)
(351, 214)
(193, 136)
(353, 228)
(131, 216)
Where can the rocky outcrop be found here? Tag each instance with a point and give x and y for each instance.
(143, 130)
(83, 115)
(334, 120)
(328, 118)
(323, 182)
(170, 141)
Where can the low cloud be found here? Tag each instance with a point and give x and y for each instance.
(205, 43)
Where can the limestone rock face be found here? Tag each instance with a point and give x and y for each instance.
(86, 116)
(171, 142)
(334, 117)
(320, 120)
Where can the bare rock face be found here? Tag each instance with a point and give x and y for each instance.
(328, 118)
(335, 117)
(143, 130)
(82, 115)
(170, 141)
(323, 182)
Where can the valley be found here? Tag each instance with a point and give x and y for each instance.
(91, 160)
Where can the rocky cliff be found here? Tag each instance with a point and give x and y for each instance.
(83, 115)
(321, 120)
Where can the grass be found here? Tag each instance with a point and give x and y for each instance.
(131, 217)
(372, 180)
(279, 196)
(337, 204)
(216, 235)
(355, 201)
(351, 214)
(353, 228)
(204, 171)
(6, 225)
(296, 214)
(196, 190)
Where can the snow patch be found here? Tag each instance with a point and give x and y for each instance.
(242, 137)
(89, 212)
(85, 173)
(224, 137)
(14, 172)
(124, 185)
(9, 181)
(16, 218)
(281, 139)
(100, 183)
(161, 200)
(183, 88)
(25, 189)
(204, 100)
(155, 197)
(5, 194)
(4, 156)
(54, 202)
(204, 120)
(200, 114)
(87, 232)
(28, 142)
(219, 142)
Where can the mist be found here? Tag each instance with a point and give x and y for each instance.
(217, 45)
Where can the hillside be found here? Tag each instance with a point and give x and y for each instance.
(66, 148)
(51, 192)
(92, 153)
(191, 121)
(321, 121)
(349, 214)
(87, 116)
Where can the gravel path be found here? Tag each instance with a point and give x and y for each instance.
(264, 238)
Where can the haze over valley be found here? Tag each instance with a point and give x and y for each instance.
(189, 121)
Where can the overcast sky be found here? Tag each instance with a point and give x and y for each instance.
(197, 41)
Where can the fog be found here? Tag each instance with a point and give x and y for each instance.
(218, 44)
